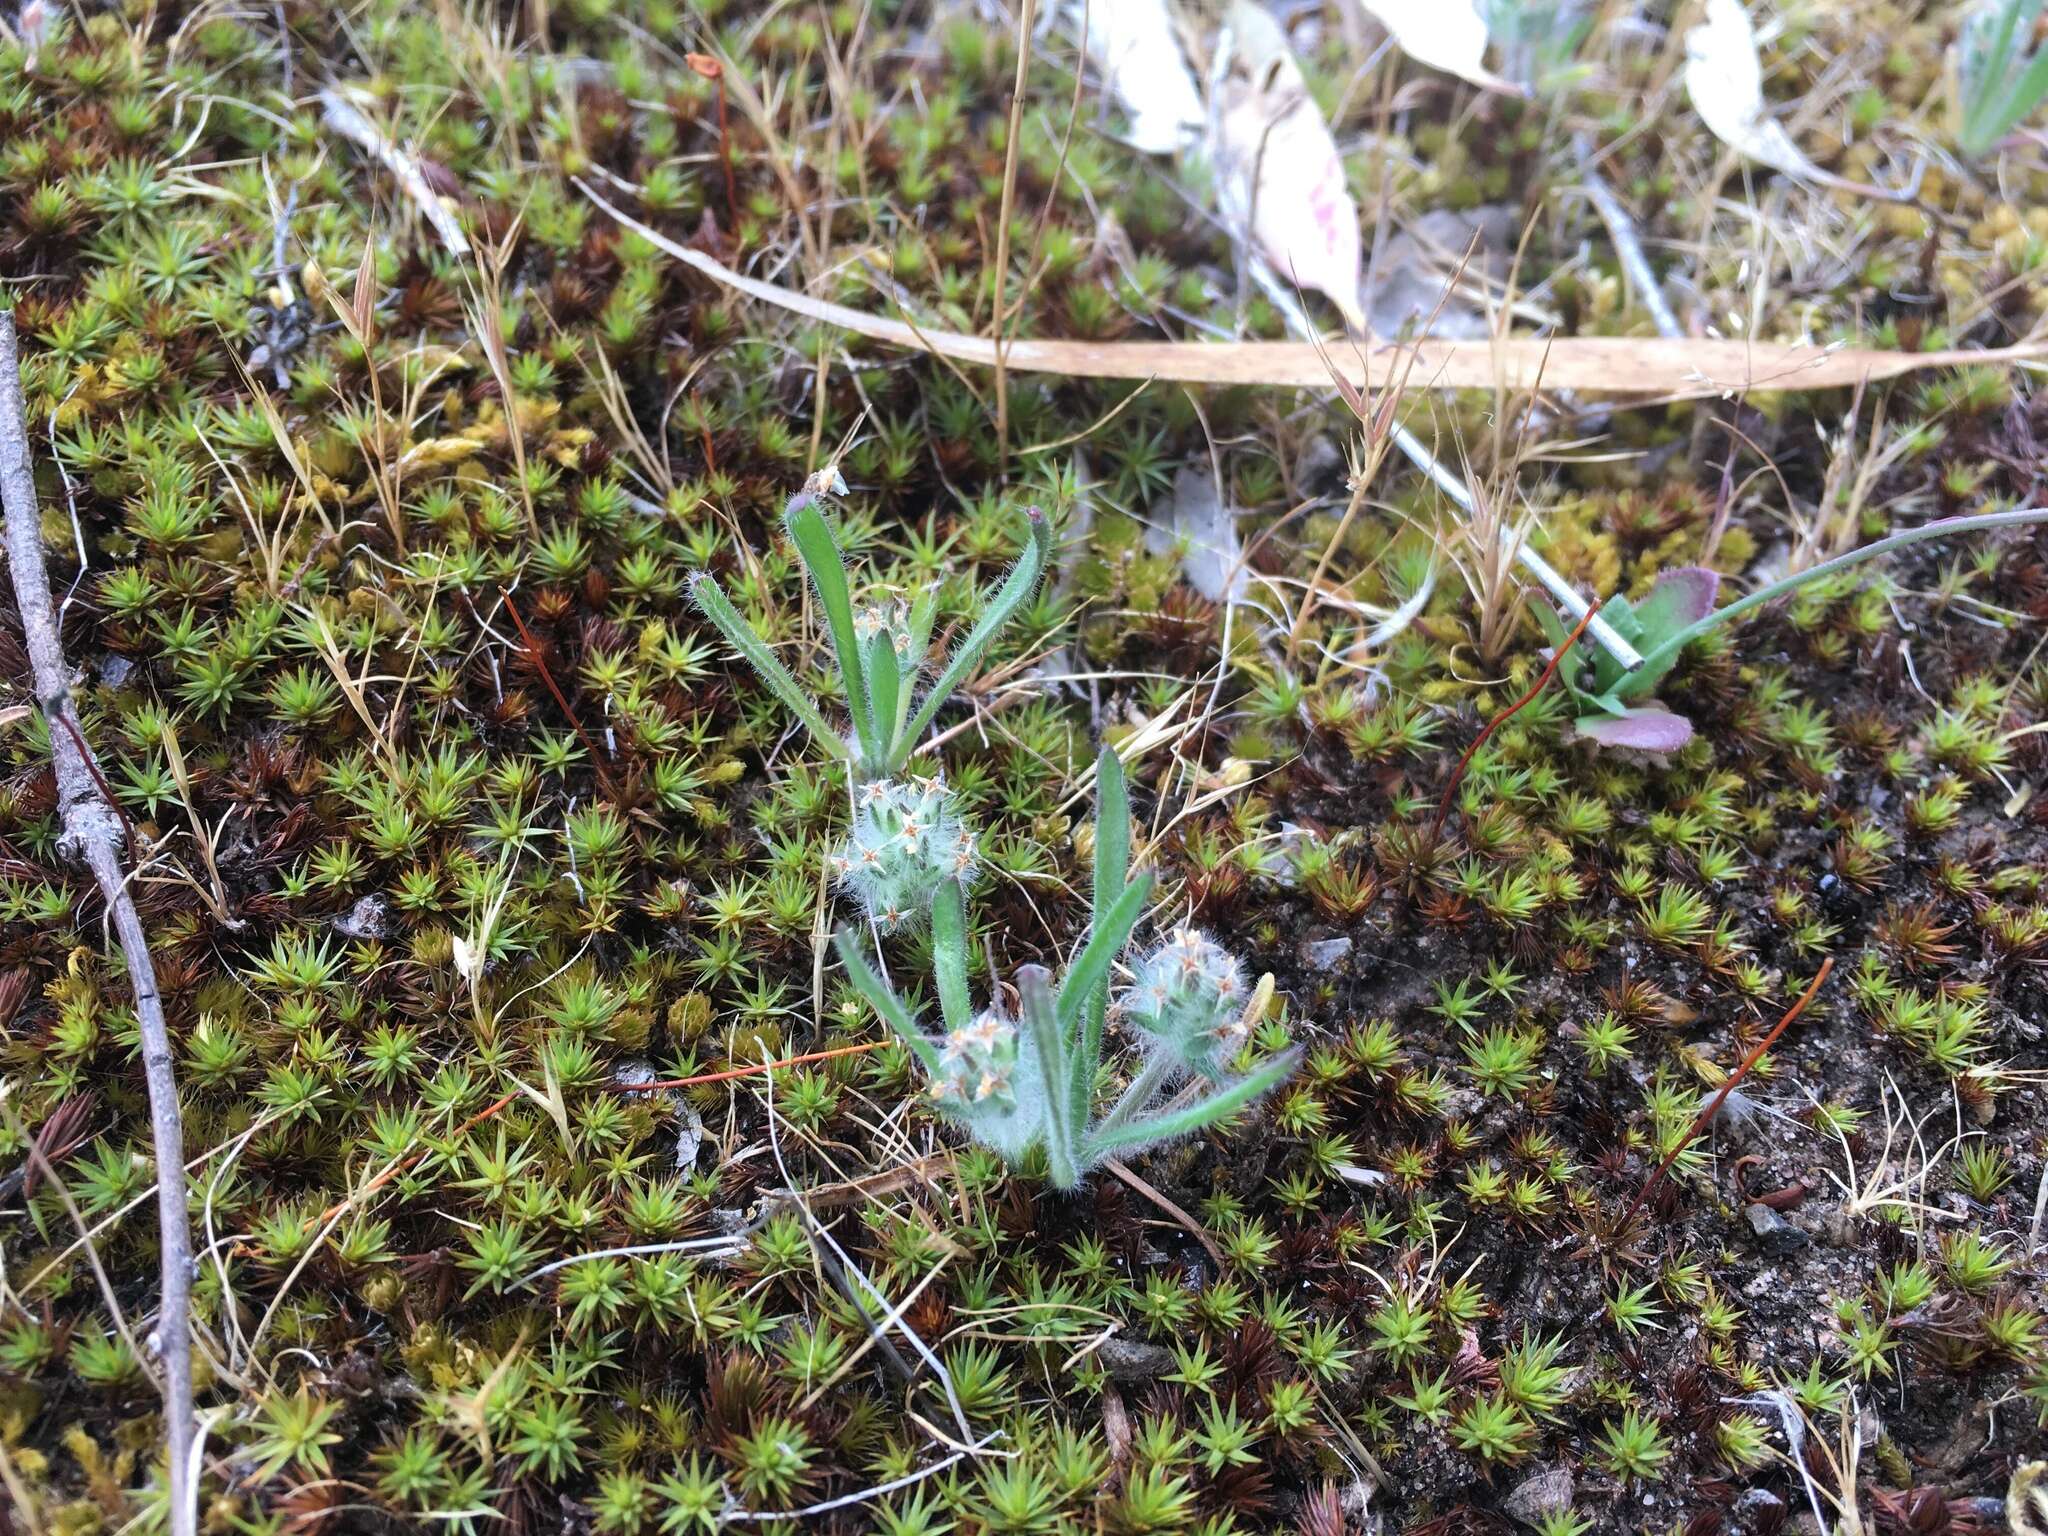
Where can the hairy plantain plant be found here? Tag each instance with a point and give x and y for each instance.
(1618, 710)
(1027, 1084)
(878, 646)
(1994, 81)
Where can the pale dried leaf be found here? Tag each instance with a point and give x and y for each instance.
(1196, 522)
(1279, 179)
(1676, 368)
(1132, 42)
(1449, 35)
(1411, 280)
(1725, 80)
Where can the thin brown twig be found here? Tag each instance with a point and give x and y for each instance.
(1714, 1104)
(91, 828)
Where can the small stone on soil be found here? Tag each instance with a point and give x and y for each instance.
(1543, 1494)
(1132, 1361)
(1325, 955)
(1774, 1234)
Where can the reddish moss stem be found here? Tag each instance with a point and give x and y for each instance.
(540, 664)
(1443, 806)
(714, 71)
(1714, 1104)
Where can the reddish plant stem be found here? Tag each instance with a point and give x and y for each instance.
(732, 197)
(1443, 806)
(1706, 1116)
(92, 767)
(713, 71)
(540, 664)
(399, 1167)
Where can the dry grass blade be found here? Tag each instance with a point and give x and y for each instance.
(1652, 368)
(342, 116)
(1180, 1217)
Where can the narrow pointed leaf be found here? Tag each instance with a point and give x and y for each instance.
(1016, 588)
(1035, 998)
(924, 612)
(1106, 941)
(949, 955)
(822, 559)
(1112, 870)
(1197, 1116)
(718, 608)
(885, 689)
(883, 999)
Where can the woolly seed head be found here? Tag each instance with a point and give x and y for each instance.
(1188, 997)
(891, 618)
(978, 1065)
(908, 840)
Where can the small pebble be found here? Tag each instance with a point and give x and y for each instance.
(1774, 1234)
(1325, 954)
(1535, 1498)
(1132, 1361)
